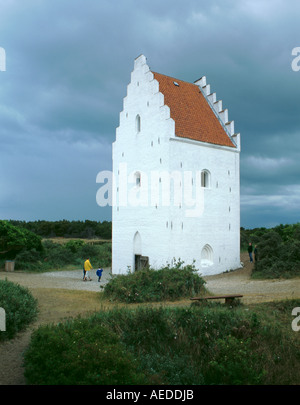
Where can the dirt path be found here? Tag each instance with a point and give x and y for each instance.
(253, 291)
(63, 294)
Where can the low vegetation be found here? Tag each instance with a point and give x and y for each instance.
(278, 250)
(169, 344)
(31, 252)
(210, 344)
(149, 285)
(68, 255)
(20, 308)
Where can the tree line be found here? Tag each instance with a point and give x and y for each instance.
(67, 229)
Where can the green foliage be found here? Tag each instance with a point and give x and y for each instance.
(234, 362)
(19, 305)
(81, 352)
(279, 255)
(67, 229)
(149, 285)
(169, 346)
(14, 239)
(278, 250)
(74, 245)
(56, 256)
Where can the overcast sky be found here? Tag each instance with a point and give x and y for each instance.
(68, 63)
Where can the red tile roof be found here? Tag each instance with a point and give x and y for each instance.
(194, 118)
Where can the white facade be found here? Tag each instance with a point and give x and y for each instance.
(195, 221)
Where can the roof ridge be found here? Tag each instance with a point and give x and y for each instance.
(174, 78)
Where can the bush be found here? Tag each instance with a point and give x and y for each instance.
(19, 305)
(14, 239)
(81, 352)
(149, 285)
(28, 260)
(279, 256)
(100, 255)
(74, 245)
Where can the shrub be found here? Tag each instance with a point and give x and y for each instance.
(100, 255)
(28, 260)
(278, 255)
(14, 239)
(74, 245)
(81, 352)
(19, 305)
(149, 285)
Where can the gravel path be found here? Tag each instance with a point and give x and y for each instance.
(71, 279)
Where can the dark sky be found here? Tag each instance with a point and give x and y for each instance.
(68, 63)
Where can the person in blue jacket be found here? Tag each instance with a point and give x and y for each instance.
(99, 273)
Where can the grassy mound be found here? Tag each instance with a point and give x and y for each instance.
(20, 308)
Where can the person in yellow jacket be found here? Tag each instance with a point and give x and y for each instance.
(87, 267)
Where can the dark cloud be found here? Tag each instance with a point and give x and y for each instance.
(68, 65)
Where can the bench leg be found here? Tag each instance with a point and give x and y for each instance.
(229, 301)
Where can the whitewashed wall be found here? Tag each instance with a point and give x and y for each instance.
(167, 232)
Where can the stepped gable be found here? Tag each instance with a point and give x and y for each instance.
(195, 112)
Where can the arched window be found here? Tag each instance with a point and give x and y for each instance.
(205, 178)
(137, 244)
(138, 124)
(207, 256)
(137, 177)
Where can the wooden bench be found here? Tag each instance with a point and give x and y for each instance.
(228, 298)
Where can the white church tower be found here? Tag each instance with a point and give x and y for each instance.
(176, 177)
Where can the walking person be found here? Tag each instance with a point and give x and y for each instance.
(84, 272)
(99, 273)
(255, 254)
(250, 250)
(87, 268)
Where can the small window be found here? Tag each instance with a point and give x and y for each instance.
(138, 179)
(205, 179)
(138, 124)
